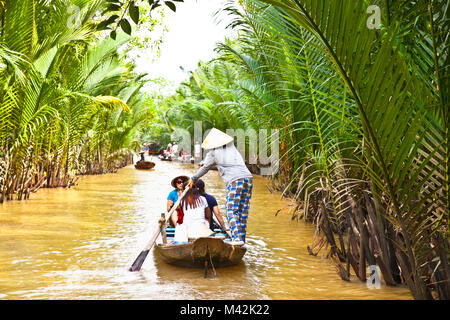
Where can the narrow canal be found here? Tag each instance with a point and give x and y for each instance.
(79, 243)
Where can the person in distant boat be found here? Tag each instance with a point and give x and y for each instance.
(196, 215)
(175, 149)
(183, 155)
(213, 206)
(178, 184)
(168, 152)
(237, 178)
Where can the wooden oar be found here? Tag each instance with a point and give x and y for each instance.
(141, 257)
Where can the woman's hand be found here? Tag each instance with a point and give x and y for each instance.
(190, 183)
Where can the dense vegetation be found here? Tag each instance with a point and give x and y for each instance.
(363, 114)
(70, 103)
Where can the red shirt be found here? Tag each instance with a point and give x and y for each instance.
(180, 215)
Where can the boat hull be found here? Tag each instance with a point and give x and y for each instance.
(195, 254)
(144, 165)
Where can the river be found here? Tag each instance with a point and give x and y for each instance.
(79, 244)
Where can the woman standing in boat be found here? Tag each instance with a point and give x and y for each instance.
(234, 173)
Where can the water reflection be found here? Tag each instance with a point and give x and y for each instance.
(79, 243)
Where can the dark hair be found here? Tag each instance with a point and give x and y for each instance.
(191, 199)
(200, 185)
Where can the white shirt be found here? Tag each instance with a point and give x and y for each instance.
(193, 215)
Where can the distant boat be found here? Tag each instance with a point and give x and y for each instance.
(144, 165)
(167, 158)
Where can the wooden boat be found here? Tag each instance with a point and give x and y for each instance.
(201, 252)
(144, 165)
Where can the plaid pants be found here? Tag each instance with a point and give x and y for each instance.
(237, 205)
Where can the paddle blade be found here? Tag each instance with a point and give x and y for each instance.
(139, 261)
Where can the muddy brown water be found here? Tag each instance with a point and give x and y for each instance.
(79, 243)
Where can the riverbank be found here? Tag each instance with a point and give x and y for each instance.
(16, 184)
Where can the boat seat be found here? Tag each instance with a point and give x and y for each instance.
(170, 233)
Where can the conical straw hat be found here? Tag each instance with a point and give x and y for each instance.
(185, 178)
(215, 139)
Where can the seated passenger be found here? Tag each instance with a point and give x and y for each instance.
(213, 206)
(196, 215)
(177, 183)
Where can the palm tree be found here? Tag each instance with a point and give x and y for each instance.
(364, 125)
(69, 103)
(401, 132)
